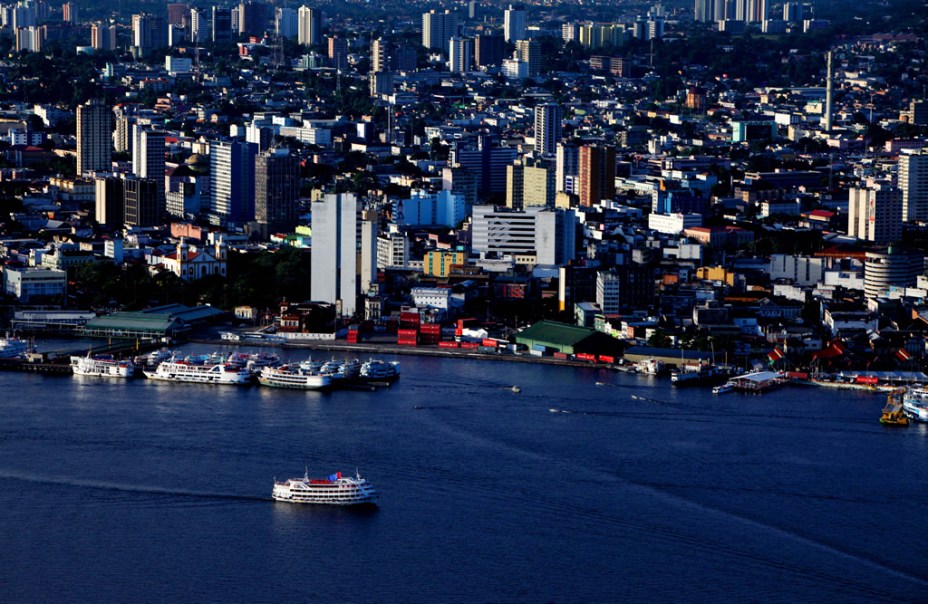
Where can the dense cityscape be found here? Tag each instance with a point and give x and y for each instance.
(741, 177)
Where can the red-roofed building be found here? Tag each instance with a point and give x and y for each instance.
(718, 237)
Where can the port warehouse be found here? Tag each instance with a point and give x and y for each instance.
(668, 356)
(169, 321)
(563, 340)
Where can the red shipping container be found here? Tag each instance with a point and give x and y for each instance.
(447, 344)
(470, 344)
(407, 332)
(561, 355)
(583, 356)
(430, 328)
(488, 342)
(866, 379)
(606, 359)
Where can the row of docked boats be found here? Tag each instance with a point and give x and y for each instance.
(241, 369)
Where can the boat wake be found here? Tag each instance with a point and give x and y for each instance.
(103, 485)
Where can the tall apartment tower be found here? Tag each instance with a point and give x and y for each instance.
(286, 23)
(380, 58)
(514, 23)
(102, 36)
(460, 54)
(437, 29)
(529, 52)
(338, 52)
(199, 26)
(221, 25)
(334, 272)
(232, 186)
(547, 128)
(109, 198)
(148, 159)
(875, 213)
(277, 191)
(141, 201)
(829, 92)
(567, 162)
(94, 137)
(488, 50)
(913, 180)
(596, 174)
(310, 26)
(149, 32)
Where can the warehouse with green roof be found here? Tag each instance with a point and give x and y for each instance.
(551, 336)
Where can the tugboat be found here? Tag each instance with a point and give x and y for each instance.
(893, 413)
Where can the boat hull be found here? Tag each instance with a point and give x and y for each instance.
(172, 372)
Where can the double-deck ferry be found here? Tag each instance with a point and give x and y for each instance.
(334, 489)
(103, 365)
(13, 347)
(915, 403)
(183, 371)
(295, 377)
(376, 371)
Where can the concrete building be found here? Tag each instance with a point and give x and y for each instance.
(875, 213)
(277, 191)
(597, 174)
(148, 159)
(529, 52)
(913, 181)
(567, 162)
(109, 200)
(232, 190)
(309, 27)
(287, 23)
(334, 273)
(460, 54)
(896, 267)
(547, 128)
(94, 137)
(514, 23)
(438, 28)
(221, 24)
(488, 50)
(36, 286)
(438, 263)
(338, 52)
(442, 208)
(548, 234)
(141, 201)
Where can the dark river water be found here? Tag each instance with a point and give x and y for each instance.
(570, 491)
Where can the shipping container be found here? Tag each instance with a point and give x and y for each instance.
(430, 328)
(487, 349)
(561, 355)
(488, 342)
(797, 375)
(536, 353)
(866, 379)
(470, 344)
(606, 359)
(583, 356)
(447, 344)
(407, 332)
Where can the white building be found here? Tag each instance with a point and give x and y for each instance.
(309, 28)
(673, 224)
(875, 213)
(548, 234)
(913, 181)
(801, 270)
(432, 297)
(608, 290)
(334, 273)
(177, 65)
(393, 251)
(442, 208)
(36, 285)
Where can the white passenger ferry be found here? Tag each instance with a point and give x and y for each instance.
(183, 371)
(915, 403)
(376, 371)
(12, 347)
(288, 376)
(103, 365)
(331, 490)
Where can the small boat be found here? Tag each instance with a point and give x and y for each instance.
(893, 413)
(724, 388)
(102, 365)
(516, 389)
(334, 489)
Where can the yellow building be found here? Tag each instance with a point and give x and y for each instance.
(715, 273)
(438, 263)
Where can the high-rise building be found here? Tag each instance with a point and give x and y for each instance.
(488, 162)
(438, 28)
(334, 272)
(309, 31)
(403, 58)
(232, 186)
(254, 17)
(913, 180)
(529, 51)
(123, 135)
(547, 128)
(548, 234)
(148, 159)
(338, 53)
(141, 201)
(286, 23)
(875, 213)
(102, 36)
(277, 191)
(149, 32)
(221, 24)
(567, 158)
(792, 12)
(29, 39)
(596, 168)
(94, 137)
(69, 13)
(460, 53)
(379, 56)
(199, 26)
(488, 50)
(109, 197)
(381, 83)
(514, 26)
